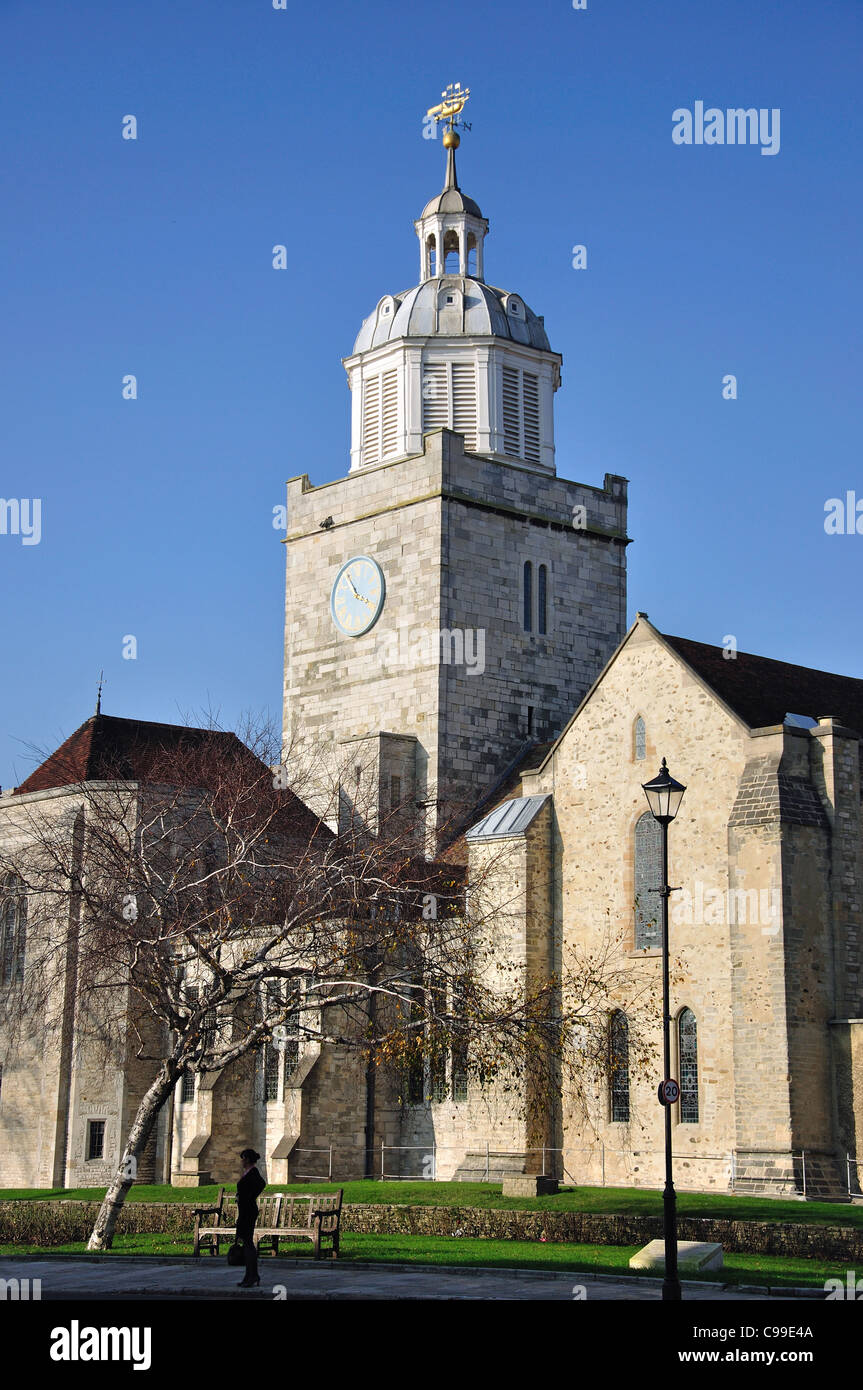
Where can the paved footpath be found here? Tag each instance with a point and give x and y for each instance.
(115, 1277)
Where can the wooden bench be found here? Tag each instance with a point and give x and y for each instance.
(314, 1216)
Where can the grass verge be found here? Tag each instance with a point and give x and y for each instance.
(765, 1270)
(621, 1201)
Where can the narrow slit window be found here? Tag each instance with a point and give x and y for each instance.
(528, 596)
(640, 739)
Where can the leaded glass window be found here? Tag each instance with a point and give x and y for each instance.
(619, 1067)
(191, 995)
(542, 600)
(292, 1042)
(13, 930)
(272, 1055)
(648, 878)
(95, 1139)
(458, 1058)
(688, 1052)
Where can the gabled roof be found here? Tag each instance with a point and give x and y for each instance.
(762, 691)
(757, 690)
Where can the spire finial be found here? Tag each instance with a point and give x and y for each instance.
(99, 693)
(447, 110)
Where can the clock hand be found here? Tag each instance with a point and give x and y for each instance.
(362, 598)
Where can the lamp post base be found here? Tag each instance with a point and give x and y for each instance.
(671, 1292)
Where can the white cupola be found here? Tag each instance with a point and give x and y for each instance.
(453, 352)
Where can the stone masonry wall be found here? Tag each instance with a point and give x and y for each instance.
(451, 533)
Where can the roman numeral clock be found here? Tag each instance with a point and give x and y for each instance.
(357, 596)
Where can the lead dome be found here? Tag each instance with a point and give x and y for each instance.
(453, 352)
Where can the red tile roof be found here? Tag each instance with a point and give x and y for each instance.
(106, 748)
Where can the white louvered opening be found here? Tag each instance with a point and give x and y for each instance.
(530, 393)
(511, 413)
(389, 413)
(380, 416)
(372, 419)
(435, 391)
(464, 402)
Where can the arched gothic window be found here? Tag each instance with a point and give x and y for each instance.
(618, 1059)
(687, 1040)
(648, 875)
(13, 930)
(640, 739)
(542, 600)
(528, 596)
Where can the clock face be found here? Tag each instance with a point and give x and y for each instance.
(358, 596)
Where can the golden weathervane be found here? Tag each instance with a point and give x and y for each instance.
(448, 109)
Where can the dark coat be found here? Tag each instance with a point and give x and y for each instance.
(249, 1188)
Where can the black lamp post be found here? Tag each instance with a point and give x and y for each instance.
(664, 796)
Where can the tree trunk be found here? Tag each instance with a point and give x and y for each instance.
(148, 1113)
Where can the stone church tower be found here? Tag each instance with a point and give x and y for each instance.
(451, 600)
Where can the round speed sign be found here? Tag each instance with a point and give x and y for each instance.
(669, 1092)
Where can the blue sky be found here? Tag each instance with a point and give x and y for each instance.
(304, 127)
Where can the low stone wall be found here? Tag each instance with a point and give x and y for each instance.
(62, 1222)
(601, 1228)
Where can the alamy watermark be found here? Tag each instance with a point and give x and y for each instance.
(20, 1290)
(412, 647)
(851, 1290)
(733, 126)
(844, 515)
(708, 906)
(21, 516)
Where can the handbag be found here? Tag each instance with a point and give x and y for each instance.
(237, 1254)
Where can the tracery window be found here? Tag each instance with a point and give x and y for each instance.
(13, 930)
(648, 875)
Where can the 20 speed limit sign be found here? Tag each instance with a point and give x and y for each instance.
(669, 1092)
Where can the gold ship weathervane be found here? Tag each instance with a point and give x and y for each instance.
(447, 110)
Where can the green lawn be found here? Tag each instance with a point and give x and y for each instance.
(500, 1254)
(624, 1201)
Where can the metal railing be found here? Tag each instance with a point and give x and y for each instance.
(316, 1177)
(484, 1163)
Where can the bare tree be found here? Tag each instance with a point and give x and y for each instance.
(177, 899)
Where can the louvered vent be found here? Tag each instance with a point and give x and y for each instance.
(371, 419)
(511, 422)
(389, 413)
(530, 392)
(435, 396)
(464, 402)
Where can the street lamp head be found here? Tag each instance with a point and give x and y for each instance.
(664, 795)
